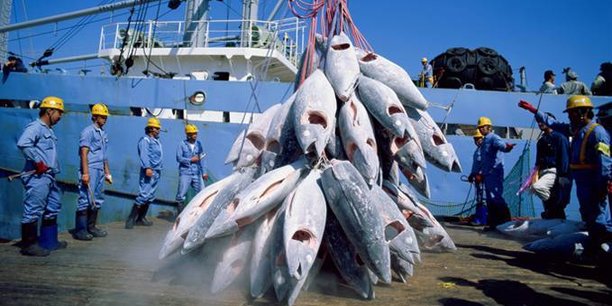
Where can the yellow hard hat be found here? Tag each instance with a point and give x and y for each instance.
(99, 109)
(477, 134)
(482, 121)
(423, 60)
(53, 102)
(190, 129)
(578, 101)
(153, 122)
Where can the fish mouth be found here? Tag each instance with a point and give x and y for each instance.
(456, 167)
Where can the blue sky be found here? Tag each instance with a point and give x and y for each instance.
(539, 35)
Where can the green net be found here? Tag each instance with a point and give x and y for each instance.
(520, 205)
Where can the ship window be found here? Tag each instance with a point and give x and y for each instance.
(221, 76)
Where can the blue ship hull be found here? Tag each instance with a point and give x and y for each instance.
(125, 130)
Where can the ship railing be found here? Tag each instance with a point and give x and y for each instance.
(287, 36)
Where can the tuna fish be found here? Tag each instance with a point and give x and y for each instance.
(402, 268)
(398, 233)
(348, 196)
(358, 139)
(192, 212)
(384, 105)
(434, 238)
(413, 215)
(341, 66)
(254, 201)
(261, 260)
(281, 139)
(567, 246)
(234, 259)
(379, 68)
(418, 180)
(197, 233)
(280, 271)
(346, 259)
(538, 228)
(314, 113)
(304, 225)
(246, 149)
(435, 146)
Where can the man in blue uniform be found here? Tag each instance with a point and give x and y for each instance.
(426, 75)
(552, 160)
(190, 156)
(492, 172)
(480, 216)
(590, 165)
(94, 171)
(150, 155)
(42, 195)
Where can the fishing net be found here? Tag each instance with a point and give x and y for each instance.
(520, 205)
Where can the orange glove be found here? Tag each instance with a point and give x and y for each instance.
(510, 146)
(149, 172)
(609, 187)
(205, 176)
(478, 178)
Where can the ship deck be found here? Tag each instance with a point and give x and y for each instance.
(123, 269)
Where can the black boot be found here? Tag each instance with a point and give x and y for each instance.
(48, 235)
(179, 207)
(92, 218)
(129, 223)
(142, 216)
(29, 240)
(80, 226)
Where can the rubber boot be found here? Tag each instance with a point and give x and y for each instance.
(492, 216)
(80, 227)
(48, 236)
(179, 208)
(480, 216)
(92, 219)
(29, 240)
(142, 216)
(129, 223)
(504, 215)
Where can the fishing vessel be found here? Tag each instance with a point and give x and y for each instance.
(216, 73)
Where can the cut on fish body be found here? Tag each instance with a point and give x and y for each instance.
(437, 149)
(304, 225)
(358, 139)
(341, 66)
(190, 215)
(314, 113)
(254, 201)
(379, 68)
(197, 233)
(348, 196)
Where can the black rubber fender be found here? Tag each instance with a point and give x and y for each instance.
(455, 64)
(488, 65)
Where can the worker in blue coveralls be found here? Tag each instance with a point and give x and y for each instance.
(190, 156)
(480, 216)
(492, 172)
(38, 144)
(150, 155)
(426, 75)
(590, 165)
(93, 172)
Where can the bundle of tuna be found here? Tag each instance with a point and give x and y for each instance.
(318, 176)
